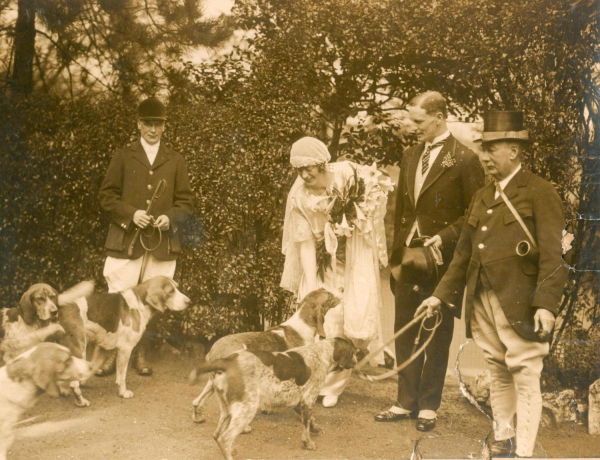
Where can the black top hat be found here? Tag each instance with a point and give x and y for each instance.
(152, 109)
(503, 125)
(415, 265)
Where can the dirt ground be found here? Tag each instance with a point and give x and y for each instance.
(157, 425)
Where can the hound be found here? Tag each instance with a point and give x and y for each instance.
(248, 379)
(301, 329)
(116, 320)
(33, 320)
(30, 374)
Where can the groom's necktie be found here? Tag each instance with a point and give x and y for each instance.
(427, 154)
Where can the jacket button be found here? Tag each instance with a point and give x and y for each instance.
(403, 220)
(151, 173)
(149, 187)
(484, 228)
(481, 245)
(489, 211)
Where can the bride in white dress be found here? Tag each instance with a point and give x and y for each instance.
(334, 237)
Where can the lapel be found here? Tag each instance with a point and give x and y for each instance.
(437, 169)
(512, 188)
(161, 157)
(412, 171)
(140, 154)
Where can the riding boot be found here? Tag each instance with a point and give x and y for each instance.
(138, 357)
(139, 362)
(110, 364)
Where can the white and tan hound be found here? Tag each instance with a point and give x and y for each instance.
(247, 380)
(301, 329)
(38, 370)
(116, 320)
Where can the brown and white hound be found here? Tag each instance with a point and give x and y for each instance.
(301, 329)
(30, 322)
(116, 320)
(25, 378)
(33, 320)
(247, 380)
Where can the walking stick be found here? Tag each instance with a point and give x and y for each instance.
(160, 188)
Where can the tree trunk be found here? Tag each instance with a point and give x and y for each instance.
(22, 75)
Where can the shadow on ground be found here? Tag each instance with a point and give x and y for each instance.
(157, 425)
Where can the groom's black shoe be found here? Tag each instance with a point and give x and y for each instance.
(389, 416)
(425, 424)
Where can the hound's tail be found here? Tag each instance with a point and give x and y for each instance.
(83, 289)
(219, 365)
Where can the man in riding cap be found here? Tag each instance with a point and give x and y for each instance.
(130, 183)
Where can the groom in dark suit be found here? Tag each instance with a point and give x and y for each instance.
(438, 178)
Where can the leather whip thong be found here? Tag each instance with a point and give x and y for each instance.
(415, 352)
(160, 188)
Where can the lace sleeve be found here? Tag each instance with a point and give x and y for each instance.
(301, 230)
(292, 269)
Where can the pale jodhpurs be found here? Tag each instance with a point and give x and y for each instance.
(122, 274)
(515, 367)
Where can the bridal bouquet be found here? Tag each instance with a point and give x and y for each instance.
(350, 208)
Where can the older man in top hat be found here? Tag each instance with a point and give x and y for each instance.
(130, 185)
(509, 258)
(438, 178)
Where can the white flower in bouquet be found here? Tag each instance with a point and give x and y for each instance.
(344, 229)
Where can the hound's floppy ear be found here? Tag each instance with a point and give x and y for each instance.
(320, 317)
(46, 368)
(321, 310)
(27, 310)
(315, 306)
(154, 295)
(331, 302)
(20, 369)
(343, 353)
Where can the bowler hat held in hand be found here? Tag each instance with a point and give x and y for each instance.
(417, 265)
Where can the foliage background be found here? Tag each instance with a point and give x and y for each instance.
(302, 67)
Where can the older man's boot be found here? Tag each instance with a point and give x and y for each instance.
(109, 365)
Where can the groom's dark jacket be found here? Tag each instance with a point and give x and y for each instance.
(455, 176)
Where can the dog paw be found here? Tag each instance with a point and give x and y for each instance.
(197, 416)
(247, 430)
(309, 445)
(64, 391)
(127, 394)
(82, 402)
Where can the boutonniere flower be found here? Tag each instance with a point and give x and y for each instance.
(448, 161)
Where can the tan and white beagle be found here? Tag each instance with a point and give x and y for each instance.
(301, 329)
(29, 323)
(25, 378)
(116, 320)
(247, 380)
(33, 320)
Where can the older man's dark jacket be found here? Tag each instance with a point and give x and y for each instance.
(487, 248)
(129, 185)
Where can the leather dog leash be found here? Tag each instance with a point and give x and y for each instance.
(414, 355)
